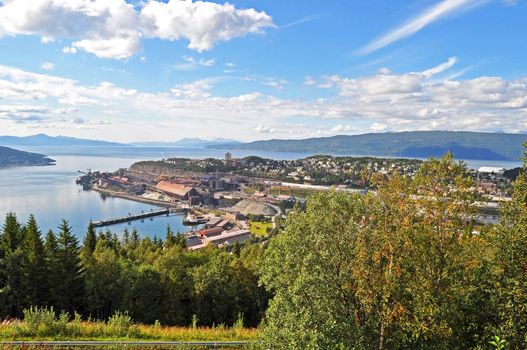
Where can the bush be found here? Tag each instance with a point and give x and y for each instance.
(43, 322)
(120, 325)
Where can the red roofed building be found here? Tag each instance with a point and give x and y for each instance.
(211, 232)
(178, 191)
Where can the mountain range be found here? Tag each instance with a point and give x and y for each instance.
(413, 144)
(42, 140)
(189, 142)
(13, 157)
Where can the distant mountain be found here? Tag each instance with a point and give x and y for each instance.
(189, 142)
(13, 157)
(42, 140)
(414, 144)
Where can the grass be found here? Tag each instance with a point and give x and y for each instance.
(42, 324)
(101, 331)
(259, 229)
(297, 192)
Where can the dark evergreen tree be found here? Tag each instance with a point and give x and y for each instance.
(90, 241)
(53, 268)
(71, 287)
(34, 269)
(11, 279)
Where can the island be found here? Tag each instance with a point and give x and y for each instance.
(12, 157)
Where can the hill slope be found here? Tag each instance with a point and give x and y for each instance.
(13, 157)
(414, 144)
(45, 140)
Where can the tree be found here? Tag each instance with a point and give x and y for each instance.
(69, 273)
(510, 240)
(34, 269)
(11, 276)
(379, 271)
(89, 243)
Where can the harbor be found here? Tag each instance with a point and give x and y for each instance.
(131, 217)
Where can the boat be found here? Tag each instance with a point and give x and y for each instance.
(192, 220)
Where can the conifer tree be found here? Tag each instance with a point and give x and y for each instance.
(53, 268)
(70, 289)
(34, 269)
(11, 283)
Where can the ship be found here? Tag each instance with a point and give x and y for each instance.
(192, 220)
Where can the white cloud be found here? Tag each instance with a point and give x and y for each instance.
(202, 23)
(309, 81)
(47, 66)
(117, 47)
(192, 63)
(381, 102)
(70, 50)
(277, 84)
(263, 129)
(432, 14)
(344, 128)
(114, 28)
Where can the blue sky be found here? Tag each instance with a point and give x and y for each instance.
(152, 70)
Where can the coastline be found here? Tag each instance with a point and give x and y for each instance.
(116, 194)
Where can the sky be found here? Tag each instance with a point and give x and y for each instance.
(156, 70)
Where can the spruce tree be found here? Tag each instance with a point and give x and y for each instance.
(89, 243)
(34, 269)
(71, 287)
(11, 283)
(53, 268)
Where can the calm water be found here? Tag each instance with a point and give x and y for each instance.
(50, 193)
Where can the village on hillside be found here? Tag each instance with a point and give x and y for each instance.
(234, 200)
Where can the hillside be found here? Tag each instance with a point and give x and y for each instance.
(416, 144)
(13, 157)
(188, 142)
(45, 140)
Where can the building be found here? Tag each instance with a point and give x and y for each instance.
(491, 170)
(209, 232)
(225, 224)
(213, 222)
(178, 191)
(229, 237)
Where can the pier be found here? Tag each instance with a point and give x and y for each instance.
(130, 217)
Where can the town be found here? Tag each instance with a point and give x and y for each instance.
(234, 200)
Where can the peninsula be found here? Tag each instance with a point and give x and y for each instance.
(13, 157)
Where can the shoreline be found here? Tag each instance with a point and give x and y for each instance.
(134, 198)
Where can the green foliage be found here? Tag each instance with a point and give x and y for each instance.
(43, 322)
(391, 270)
(497, 343)
(120, 325)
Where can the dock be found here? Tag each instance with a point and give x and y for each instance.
(130, 217)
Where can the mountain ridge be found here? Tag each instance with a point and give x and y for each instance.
(45, 140)
(408, 144)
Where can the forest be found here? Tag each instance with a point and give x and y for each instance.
(405, 267)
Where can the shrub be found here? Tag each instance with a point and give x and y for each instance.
(120, 325)
(43, 322)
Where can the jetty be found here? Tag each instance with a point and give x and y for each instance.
(132, 217)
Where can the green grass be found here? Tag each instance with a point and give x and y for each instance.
(259, 229)
(297, 192)
(102, 331)
(43, 324)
